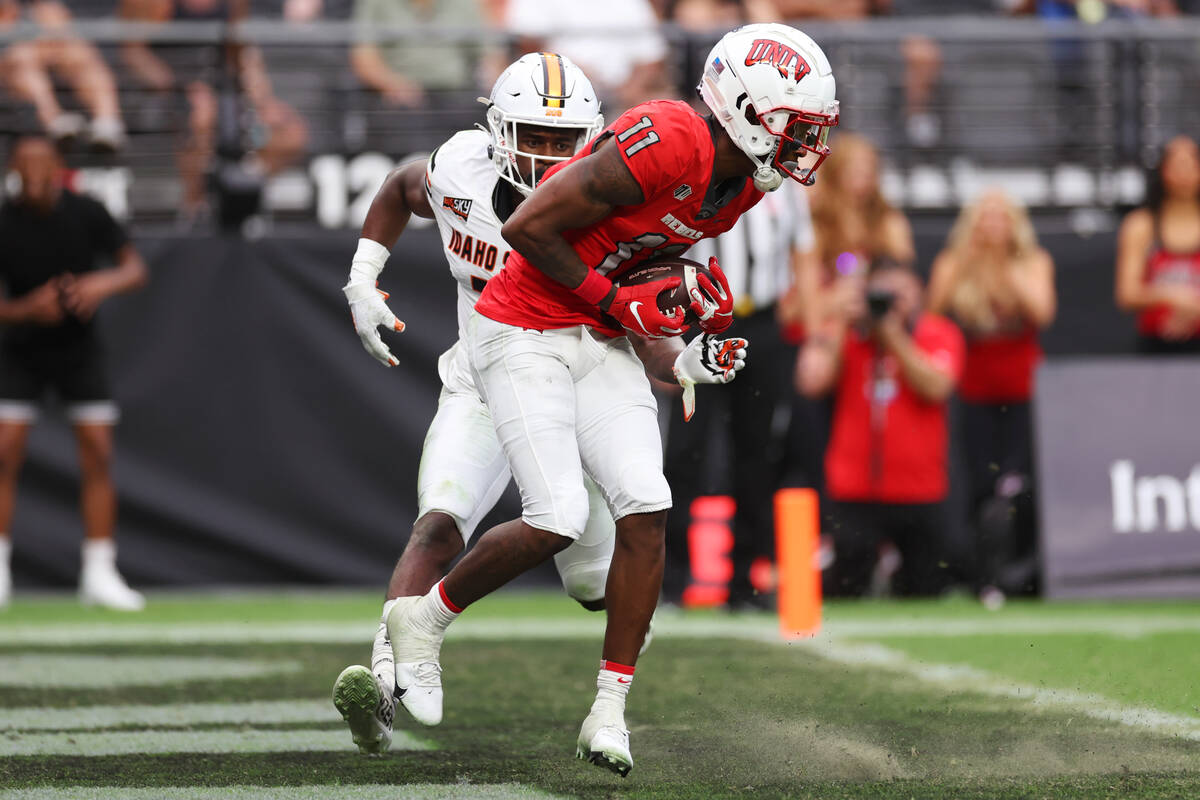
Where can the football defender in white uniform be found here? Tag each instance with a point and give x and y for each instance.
(542, 109)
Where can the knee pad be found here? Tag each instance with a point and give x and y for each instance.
(563, 511)
(643, 488)
(584, 580)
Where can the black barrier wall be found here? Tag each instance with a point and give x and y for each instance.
(259, 443)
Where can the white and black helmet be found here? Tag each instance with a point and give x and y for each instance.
(769, 84)
(543, 89)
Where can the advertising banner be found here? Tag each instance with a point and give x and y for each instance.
(1118, 444)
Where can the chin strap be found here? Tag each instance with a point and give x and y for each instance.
(767, 179)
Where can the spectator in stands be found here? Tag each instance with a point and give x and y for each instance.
(615, 42)
(29, 66)
(998, 285)
(718, 16)
(891, 367)
(855, 225)
(302, 10)
(922, 57)
(1158, 255)
(1099, 10)
(705, 21)
(422, 71)
(220, 82)
(51, 241)
(758, 256)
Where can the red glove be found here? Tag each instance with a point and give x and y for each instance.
(713, 303)
(636, 308)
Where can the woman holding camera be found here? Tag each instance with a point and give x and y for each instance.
(1158, 255)
(854, 225)
(890, 367)
(995, 281)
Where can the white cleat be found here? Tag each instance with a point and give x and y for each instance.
(102, 585)
(367, 707)
(604, 741)
(418, 671)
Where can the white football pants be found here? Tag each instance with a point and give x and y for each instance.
(565, 403)
(463, 472)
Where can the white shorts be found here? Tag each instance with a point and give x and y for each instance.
(463, 472)
(565, 403)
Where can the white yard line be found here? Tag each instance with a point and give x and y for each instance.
(585, 626)
(275, 712)
(961, 678)
(761, 628)
(409, 791)
(69, 670)
(223, 740)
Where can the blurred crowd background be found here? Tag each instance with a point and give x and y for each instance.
(1021, 168)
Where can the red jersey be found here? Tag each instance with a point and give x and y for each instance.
(669, 149)
(1000, 367)
(889, 445)
(1164, 268)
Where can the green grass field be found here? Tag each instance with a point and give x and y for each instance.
(227, 696)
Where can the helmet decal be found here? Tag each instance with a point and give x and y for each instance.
(540, 90)
(778, 55)
(554, 78)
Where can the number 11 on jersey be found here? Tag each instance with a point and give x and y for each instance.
(640, 143)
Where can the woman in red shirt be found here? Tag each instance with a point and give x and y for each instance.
(891, 368)
(995, 281)
(1158, 255)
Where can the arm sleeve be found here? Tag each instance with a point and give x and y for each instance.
(658, 143)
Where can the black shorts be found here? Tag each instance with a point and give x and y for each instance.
(74, 372)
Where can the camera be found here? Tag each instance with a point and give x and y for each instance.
(879, 302)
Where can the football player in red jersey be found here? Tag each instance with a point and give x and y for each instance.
(542, 109)
(549, 352)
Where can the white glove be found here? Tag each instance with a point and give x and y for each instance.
(707, 359)
(367, 308)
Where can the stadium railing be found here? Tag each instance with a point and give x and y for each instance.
(1066, 115)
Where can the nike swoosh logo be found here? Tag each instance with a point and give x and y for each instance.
(633, 309)
(624, 680)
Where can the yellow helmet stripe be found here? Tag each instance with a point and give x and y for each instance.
(554, 79)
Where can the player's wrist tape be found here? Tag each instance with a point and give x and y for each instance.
(595, 287)
(368, 262)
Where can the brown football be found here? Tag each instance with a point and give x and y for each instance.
(657, 269)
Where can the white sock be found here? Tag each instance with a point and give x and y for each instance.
(99, 554)
(435, 612)
(612, 687)
(382, 663)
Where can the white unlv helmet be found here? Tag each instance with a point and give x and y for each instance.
(543, 89)
(772, 90)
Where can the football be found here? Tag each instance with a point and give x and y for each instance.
(657, 269)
